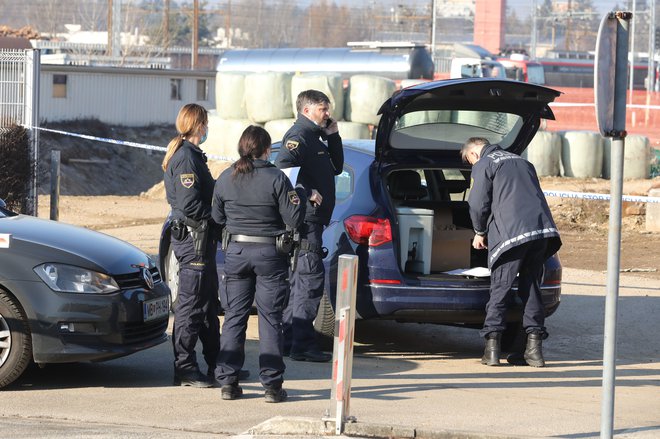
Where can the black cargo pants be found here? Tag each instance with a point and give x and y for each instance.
(196, 307)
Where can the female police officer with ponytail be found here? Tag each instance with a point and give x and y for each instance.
(189, 188)
(255, 201)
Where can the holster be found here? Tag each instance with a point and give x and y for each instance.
(179, 230)
(226, 236)
(199, 232)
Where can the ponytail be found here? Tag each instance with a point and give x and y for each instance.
(172, 147)
(254, 142)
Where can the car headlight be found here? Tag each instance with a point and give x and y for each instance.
(70, 279)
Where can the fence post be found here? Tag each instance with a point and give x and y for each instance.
(342, 356)
(55, 185)
(31, 120)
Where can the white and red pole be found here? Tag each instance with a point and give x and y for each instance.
(342, 356)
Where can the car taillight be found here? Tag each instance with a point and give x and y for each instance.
(367, 230)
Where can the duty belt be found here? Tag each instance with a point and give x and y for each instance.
(255, 239)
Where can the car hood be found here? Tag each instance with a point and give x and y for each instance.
(35, 241)
(529, 101)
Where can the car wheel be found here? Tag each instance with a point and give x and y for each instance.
(513, 337)
(324, 323)
(15, 340)
(171, 266)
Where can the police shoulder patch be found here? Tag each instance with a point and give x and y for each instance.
(291, 145)
(187, 180)
(293, 197)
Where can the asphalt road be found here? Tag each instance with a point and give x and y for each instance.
(405, 375)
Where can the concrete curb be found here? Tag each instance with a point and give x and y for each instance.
(300, 426)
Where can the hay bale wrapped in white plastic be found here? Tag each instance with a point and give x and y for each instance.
(230, 95)
(544, 152)
(366, 93)
(331, 84)
(277, 128)
(223, 136)
(581, 154)
(268, 96)
(353, 130)
(636, 157)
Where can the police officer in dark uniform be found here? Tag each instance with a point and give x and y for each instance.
(512, 219)
(255, 202)
(189, 189)
(303, 146)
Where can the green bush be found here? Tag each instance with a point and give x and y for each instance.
(15, 167)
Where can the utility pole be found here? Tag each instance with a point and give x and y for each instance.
(568, 26)
(166, 24)
(195, 34)
(228, 22)
(109, 45)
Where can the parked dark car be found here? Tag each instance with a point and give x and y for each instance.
(402, 205)
(68, 294)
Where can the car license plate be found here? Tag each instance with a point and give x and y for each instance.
(156, 308)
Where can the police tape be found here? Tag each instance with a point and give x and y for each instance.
(561, 194)
(600, 197)
(121, 142)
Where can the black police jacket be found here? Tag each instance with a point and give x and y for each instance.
(302, 146)
(189, 184)
(506, 202)
(260, 203)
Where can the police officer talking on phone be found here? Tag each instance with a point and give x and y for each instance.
(313, 144)
(255, 203)
(189, 188)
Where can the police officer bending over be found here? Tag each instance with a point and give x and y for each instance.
(512, 219)
(255, 202)
(189, 188)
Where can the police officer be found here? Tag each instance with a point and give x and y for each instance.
(512, 219)
(189, 188)
(254, 201)
(304, 147)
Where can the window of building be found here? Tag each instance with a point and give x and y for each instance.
(175, 89)
(59, 86)
(202, 90)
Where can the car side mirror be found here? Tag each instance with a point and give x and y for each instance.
(3, 205)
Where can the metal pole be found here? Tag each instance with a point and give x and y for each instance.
(31, 120)
(632, 48)
(533, 44)
(614, 238)
(650, 86)
(433, 29)
(55, 185)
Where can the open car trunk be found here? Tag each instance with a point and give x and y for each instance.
(433, 221)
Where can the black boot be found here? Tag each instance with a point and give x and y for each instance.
(492, 351)
(517, 351)
(533, 351)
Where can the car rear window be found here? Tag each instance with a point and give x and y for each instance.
(449, 129)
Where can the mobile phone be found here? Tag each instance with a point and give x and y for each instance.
(328, 122)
